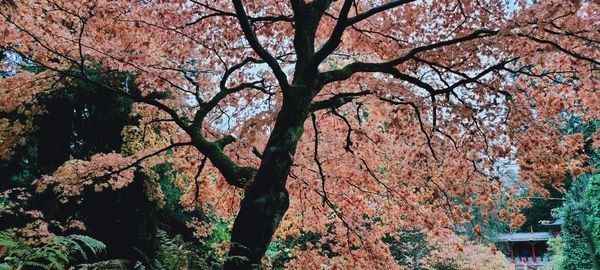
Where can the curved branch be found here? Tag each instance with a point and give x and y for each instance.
(389, 66)
(234, 174)
(335, 38)
(377, 9)
(560, 48)
(219, 12)
(348, 146)
(337, 100)
(141, 159)
(235, 67)
(421, 126)
(323, 178)
(255, 44)
(342, 23)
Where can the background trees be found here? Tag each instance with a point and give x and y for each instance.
(356, 118)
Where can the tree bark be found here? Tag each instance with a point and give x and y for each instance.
(266, 198)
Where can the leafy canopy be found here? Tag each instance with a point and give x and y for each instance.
(372, 116)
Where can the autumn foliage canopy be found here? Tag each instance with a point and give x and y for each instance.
(348, 119)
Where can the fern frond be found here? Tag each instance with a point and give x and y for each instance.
(54, 255)
(36, 265)
(7, 240)
(77, 243)
(55, 263)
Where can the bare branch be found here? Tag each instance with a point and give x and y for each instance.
(197, 185)
(337, 100)
(218, 12)
(141, 159)
(256, 46)
(418, 113)
(560, 48)
(348, 146)
(377, 9)
(323, 178)
(389, 66)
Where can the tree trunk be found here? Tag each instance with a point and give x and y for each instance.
(266, 198)
(254, 226)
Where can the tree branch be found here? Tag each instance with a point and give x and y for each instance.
(560, 48)
(378, 9)
(256, 46)
(418, 113)
(389, 66)
(337, 100)
(323, 178)
(348, 145)
(335, 38)
(234, 174)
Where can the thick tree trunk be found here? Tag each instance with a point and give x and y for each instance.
(266, 198)
(254, 226)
